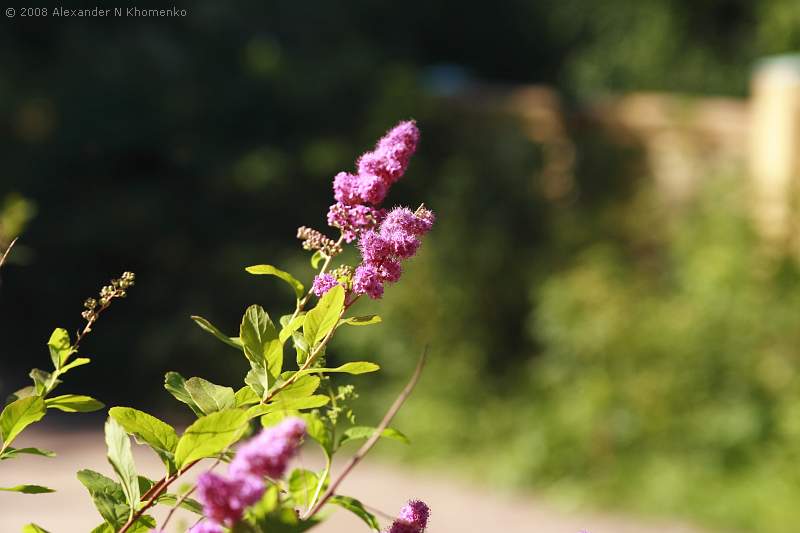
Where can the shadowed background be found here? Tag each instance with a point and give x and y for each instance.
(591, 336)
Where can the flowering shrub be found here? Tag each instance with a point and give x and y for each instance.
(258, 492)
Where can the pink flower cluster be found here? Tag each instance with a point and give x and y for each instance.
(383, 250)
(224, 498)
(413, 518)
(359, 195)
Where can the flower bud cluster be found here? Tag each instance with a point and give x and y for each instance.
(116, 289)
(315, 240)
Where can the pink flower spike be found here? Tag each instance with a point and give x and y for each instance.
(269, 452)
(390, 158)
(413, 518)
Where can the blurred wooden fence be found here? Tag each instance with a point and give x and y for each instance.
(684, 139)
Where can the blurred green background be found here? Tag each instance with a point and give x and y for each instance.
(599, 347)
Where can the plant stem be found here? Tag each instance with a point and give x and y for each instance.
(362, 452)
(8, 251)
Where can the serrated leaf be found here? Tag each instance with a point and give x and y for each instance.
(270, 270)
(355, 368)
(121, 459)
(260, 339)
(146, 428)
(13, 452)
(365, 320)
(365, 432)
(60, 347)
(309, 402)
(357, 508)
(108, 497)
(207, 326)
(28, 489)
(18, 415)
(209, 397)
(74, 403)
(210, 435)
(323, 318)
(176, 385)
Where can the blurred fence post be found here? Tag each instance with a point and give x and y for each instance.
(775, 147)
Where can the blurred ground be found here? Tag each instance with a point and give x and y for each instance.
(456, 507)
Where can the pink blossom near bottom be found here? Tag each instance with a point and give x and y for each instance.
(413, 518)
(225, 500)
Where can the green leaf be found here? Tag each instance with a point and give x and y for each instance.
(272, 419)
(188, 503)
(302, 485)
(176, 386)
(28, 489)
(316, 258)
(18, 415)
(257, 379)
(12, 452)
(33, 528)
(355, 368)
(304, 386)
(323, 318)
(209, 397)
(144, 524)
(43, 381)
(291, 327)
(300, 347)
(210, 435)
(319, 429)
(108, 497)
(357, 508)
(24, 392)
(361, 320)
(261, 343)
(78, 361)
(146, 428)
(121, 459)
(246, 396)
(283, 520)
(74, 403)
(365, 432)
(309, 402)
(204, 324)
(285, 276)
(60, 347)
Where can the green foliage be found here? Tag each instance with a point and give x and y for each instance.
(365, 432)
(205, 325)
(209, 397)
(28, 489)
(260, 340)
(321, 320)
(210, 435)
(147, 429)
(74, 403)
(357, 508)
(108, 496)
(270, 270)
(176, 385)
(121, 459)
(33, 528)
(18, 415)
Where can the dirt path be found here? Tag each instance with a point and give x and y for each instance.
(457, 508)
